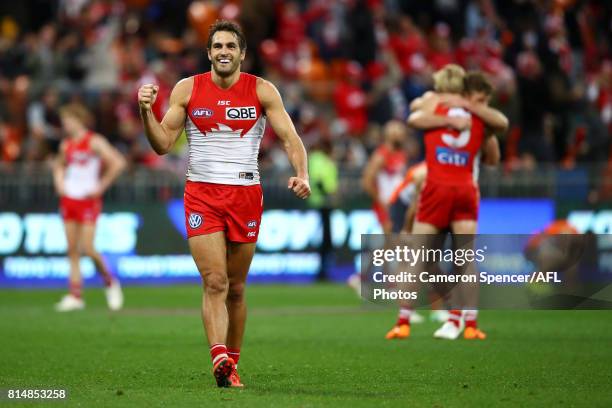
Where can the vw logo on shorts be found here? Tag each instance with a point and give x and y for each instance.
(195, 220)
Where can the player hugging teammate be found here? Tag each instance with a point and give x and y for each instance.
(458, 125)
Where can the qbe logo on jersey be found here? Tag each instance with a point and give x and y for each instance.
(195, 220)
(240, 113)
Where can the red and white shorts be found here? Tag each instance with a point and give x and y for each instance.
(80, 210)
(440, 204)
(211, 207)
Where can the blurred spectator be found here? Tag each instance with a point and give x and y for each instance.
(350, 100)
(10, 142)
(323, 172)
(534, 96)
(362, 40)
(344, 68)
(45, 126)
(440, 47)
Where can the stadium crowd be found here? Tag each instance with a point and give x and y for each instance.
(344, 67)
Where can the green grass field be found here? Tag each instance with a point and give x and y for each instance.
(305, 347)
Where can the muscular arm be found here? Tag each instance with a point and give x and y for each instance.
(368, 180)
(280, 121)
(114, 163)
(423, 119)
(491, 152)
(162, 136)
(382, 85)
(497, 121)
(422, 116)
(59, 170)
(427, 101)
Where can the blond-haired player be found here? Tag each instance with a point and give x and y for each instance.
(84, 169)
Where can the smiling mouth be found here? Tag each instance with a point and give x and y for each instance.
(224, 61)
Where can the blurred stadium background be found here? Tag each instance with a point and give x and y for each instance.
(344, 68)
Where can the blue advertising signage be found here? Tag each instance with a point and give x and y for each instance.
(146, 244)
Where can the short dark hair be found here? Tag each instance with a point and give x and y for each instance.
(230, 26)
(476, 81)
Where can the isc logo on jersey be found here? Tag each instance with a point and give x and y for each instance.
(452, 157)
(240, 113)
(201, 113)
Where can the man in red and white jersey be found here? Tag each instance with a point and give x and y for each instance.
(385, 170)
(80, 183)
(224, 114)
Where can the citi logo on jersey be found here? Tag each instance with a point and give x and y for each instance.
(201, 113)
(452, 157)
(241, 113)
(195, 220)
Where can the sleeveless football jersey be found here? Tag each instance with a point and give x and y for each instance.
(83, 166)
(224, 129)
(453, 157)
(391, 173)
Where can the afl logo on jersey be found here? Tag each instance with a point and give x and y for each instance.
(241, 113)
(201, 113)
(195, 220)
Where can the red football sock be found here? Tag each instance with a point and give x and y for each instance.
(471, 318)
(217, 352)
(234, 354)
(404, 316)
(75, 289)
(454, 316)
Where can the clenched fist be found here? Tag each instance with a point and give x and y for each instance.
(147, 95)
(300, 187)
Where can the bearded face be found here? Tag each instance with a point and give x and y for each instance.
(225, 53)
